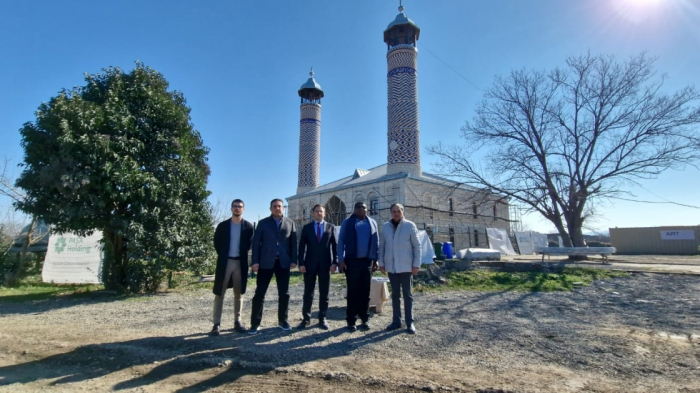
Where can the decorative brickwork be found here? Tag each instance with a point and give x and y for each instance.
(403, 135)
(309, 147)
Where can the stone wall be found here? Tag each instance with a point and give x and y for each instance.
(426, 203)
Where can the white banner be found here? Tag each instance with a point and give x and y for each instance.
(678, 235)
(499, 240)
(427, 251)
(71, 259)
(529, 240)
(525, 243)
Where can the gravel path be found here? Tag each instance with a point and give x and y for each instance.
(640, 333)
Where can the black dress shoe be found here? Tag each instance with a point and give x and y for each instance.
(365, 326)
(240, 327)
(284, 326)
(323, 324)
(394, 326)
(411, 329)
(303, 325)
(215, 330)
(351, 328)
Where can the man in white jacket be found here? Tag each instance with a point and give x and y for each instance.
(399, 255)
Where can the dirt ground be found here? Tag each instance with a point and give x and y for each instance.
(635, 334)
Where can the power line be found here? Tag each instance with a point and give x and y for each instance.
(422, 46)
(664, 199)
(657, 202)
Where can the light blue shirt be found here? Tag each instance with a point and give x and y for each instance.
(364, 234)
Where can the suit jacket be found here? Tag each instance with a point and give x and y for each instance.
(346, 248)
(269, 242)
(399, 249)
(314, 254)
(222, 241)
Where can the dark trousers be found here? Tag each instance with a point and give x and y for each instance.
(263, 282)
(324, 283)
(358, 275)
(402, 282)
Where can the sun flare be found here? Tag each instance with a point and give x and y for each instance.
(638, 11)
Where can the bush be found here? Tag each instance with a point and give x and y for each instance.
(145, 275)
(597, 244)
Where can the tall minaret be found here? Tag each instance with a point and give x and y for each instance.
(309, 135)
(403, 136)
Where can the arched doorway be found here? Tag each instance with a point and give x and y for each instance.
(335, 210)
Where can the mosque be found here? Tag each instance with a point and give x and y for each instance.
(448, 211)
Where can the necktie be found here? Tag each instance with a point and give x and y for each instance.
(318, 232)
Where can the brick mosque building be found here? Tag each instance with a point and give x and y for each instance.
(448, 211)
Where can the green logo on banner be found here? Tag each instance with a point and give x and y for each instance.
(60, 245)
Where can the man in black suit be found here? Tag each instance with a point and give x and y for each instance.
(274, 253)
(232, 240)
(318, 256)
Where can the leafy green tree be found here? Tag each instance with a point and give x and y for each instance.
(120, 155)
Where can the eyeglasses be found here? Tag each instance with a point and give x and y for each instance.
(237, 207)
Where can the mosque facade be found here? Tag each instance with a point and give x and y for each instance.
(448, 211)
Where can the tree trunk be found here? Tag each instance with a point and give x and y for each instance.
(574, 223)
(114, 264)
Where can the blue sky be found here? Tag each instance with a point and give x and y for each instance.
(240, 64)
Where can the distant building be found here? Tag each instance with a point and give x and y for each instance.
(447, 210)
(680, 240)
(39, 239)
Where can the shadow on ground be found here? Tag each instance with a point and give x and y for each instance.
(233, 353)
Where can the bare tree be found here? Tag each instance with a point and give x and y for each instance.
(8, 189)
(220, 210)
(557, 142)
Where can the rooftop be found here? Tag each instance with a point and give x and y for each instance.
(377, 174)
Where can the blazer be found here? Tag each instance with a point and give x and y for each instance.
(269, 242)
(345, 247)
(222, 241)
(314, 254)
(399, 249)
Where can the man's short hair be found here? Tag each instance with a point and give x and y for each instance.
(400, 206)
(272, 202)
(313, 209)
(359, 204)
(239, 201)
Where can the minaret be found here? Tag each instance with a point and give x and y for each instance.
(403, 135)
(309, 135)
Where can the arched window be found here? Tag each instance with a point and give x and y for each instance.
(373, 203)
(335, 210)
(359, 198)
(428, 204)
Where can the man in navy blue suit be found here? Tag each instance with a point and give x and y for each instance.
(274, 253)
(318, 257)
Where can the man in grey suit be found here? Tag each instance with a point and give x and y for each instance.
(318, 256)
(274, 253)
